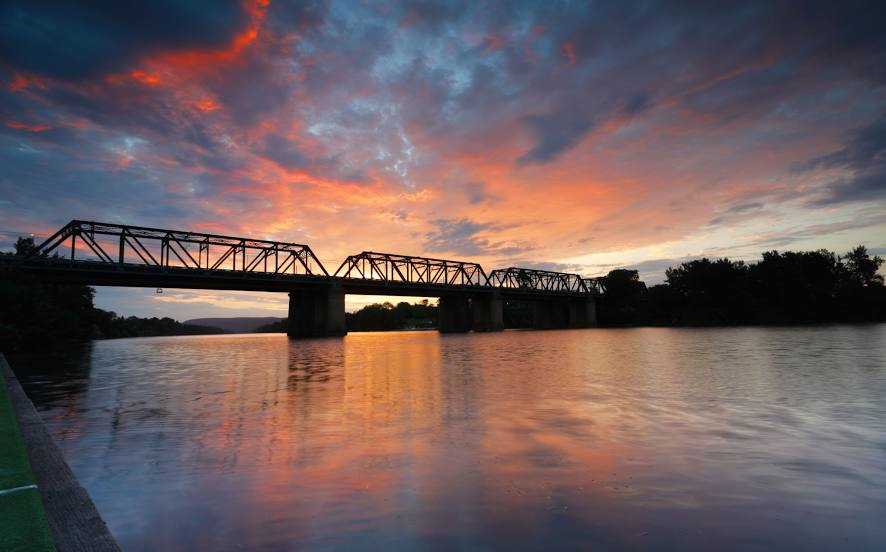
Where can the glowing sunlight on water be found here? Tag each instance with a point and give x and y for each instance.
(669, 438)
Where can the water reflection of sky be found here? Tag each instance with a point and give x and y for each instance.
(714, 438)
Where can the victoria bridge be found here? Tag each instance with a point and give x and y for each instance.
(105, 254)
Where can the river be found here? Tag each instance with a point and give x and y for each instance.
(690, 439)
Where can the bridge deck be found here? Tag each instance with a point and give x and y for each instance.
(132, 275)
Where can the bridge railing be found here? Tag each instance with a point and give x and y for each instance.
(389, 267)
(536, 280)
(126, 245)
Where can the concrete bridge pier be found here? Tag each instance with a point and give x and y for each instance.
(560, 314)
(557, 314)
(550, 314)
(542, 315)
(488, 313)
(317, 312)
(583, 313)
(455, 314)
(591, 313)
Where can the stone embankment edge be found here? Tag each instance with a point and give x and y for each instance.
(23, 525)
(73, 520)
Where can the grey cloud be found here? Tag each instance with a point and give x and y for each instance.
(554, 133)
(865, 156)
(287, 154)
(864, 148)
(637, 103)
(862, 219)
(745, 207)
(459, 236)
(478, 193)
(284, 152)
(253, 90)
(776, 51)
(75, 40)
(140, 195)
(734, 213)
(864, 187)
(287, 15)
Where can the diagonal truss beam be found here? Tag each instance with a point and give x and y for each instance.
(537, 280)
(389, 267)
(163, 248)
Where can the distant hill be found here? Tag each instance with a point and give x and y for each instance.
(243, 324)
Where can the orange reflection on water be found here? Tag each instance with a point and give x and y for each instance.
(406, 431)
(564, 439)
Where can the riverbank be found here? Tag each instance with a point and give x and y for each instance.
(24, 524)
(42, 504)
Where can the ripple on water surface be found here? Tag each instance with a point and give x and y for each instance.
(672, 438)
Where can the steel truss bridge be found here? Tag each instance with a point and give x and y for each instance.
(107, 254)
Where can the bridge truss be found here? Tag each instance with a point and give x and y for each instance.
(154, 247)
(117, 254)
(411, 270)
(536, 280)
(595, 285)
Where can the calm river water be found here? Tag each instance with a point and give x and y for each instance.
(705, 439)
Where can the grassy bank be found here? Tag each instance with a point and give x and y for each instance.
(24, 524)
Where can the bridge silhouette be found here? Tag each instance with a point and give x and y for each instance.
(107, 254)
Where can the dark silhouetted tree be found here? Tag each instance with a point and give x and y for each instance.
(25, 246)
(796, 286)
(386, 316)
(709, 292)
(623, 302)
(862, 268)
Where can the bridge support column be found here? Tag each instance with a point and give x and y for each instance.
(591, 313)
(542, 315)
(560, 314)
(317, 312)
(487, 313)
(455, 314)
(551, 314)
(583, 313)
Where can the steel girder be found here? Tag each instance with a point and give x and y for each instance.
(123, 244)
(536, 280)
(388, 267)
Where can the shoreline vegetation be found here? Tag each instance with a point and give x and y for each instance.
(806, 287)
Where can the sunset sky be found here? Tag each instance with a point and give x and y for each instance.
(574, 136)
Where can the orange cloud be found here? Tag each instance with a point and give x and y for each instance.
(145, 78)
(207, 104)
(495, 41)
(196, 60)
(25, 126)
(21, 82)
(569, 52)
